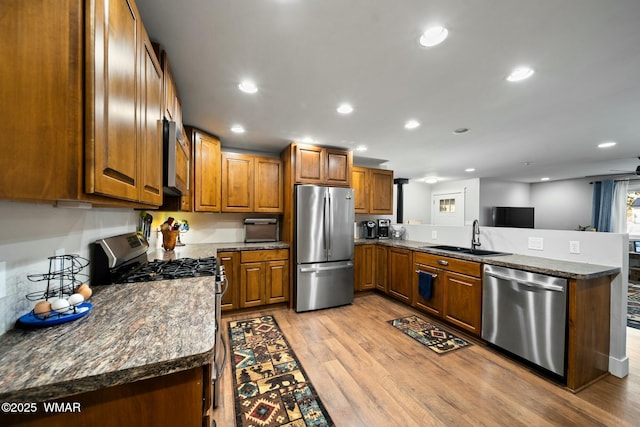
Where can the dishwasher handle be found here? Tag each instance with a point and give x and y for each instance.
(528, 283)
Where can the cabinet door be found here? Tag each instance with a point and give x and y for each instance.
(364, 267)
(434, 304)
(360, 184)
(231, 263)
(381, 192)
(268, 186)
(338, 167)
(309, 168)
(112, 143)
(400, 278)
(277, 281)
(382, 268)
(206, 172)
(252, 284)
(150, 125)
(237, 182)
(463, 301)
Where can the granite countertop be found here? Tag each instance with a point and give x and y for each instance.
(566, 269)
(203, 250)
(134, 331)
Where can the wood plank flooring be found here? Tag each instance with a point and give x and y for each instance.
(368, 373)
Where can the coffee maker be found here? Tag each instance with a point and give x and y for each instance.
(369, 229)
(383, 228)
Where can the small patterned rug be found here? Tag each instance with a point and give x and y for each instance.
(271, 388)
(633, 306)
(428, 334)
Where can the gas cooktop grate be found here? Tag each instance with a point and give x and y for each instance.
(173, 269)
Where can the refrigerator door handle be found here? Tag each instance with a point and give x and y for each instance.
(330, 227)
(319, 269)
(326, 226)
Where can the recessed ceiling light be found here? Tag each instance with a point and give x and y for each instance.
(520, 73)
(433, 36)
(606, 144)
(345, 108)
(237, 129)
(431, 180)
(546, 178)
(361, 148)
(470, 170)
(461, 130)
(248, 86)
(307, 140)
(411, 124)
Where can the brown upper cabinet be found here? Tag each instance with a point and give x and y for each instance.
(251, 183)
(65, 96)
(322, 166)
(373, 190)
(206, 172)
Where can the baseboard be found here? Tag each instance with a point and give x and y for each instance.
(619, 367)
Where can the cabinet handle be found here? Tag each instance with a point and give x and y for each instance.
(228, 258)
(443, 262)
(426, 272)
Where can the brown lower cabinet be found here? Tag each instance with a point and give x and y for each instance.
(382, 268)
(180, 399)
(400, 283)
(264, 277)
(456, 290)
(231, 263)
(364, 267)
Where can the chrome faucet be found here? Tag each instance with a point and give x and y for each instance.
(475, 235)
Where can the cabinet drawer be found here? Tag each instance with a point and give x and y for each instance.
(469, 268)
(267, 255)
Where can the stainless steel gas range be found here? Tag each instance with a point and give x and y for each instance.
(122, 259)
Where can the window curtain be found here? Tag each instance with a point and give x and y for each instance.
(608, 210)
(619, 207)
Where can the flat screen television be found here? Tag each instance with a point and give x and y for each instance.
(512, 217)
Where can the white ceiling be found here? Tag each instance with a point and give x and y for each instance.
(307, 56)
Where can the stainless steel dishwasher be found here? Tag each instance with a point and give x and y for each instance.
(526, 314)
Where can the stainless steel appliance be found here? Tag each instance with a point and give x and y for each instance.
(175, 150)
(369, 229)
(261, 230)
(383, 228)
(526, 314)
(323, 247)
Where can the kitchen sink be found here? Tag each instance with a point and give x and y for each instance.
(461, 250)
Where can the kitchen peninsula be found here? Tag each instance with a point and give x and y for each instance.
(395, 266)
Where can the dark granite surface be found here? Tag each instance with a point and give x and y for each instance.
(567, 269)
(134, 331)
(202, 250)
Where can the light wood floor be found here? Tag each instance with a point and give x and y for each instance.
(367, 373)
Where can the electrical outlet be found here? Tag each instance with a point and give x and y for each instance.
(536, 243)
(434, 234)
(3, 279)
(574, 247)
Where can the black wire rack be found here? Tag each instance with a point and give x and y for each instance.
(63, 277)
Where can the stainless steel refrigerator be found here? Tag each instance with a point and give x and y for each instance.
(323, 247)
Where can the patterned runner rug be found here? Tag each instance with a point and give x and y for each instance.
(633, 306)
(428, 334)
(271, 388)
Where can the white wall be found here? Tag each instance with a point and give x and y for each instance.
(502, 193)
(417, 201)
(562, 205)
(32, 233)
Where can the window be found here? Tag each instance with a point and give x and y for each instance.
(448, 205)
(633, 213)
